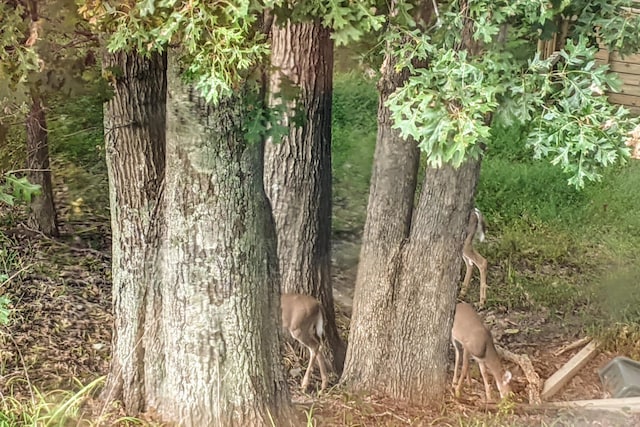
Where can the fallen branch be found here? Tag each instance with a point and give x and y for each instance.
(573, 345)
(626, 404)
(522, 360)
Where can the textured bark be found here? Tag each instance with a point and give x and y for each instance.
(389, 212)
(298, 169)
(134, 121)
(409, 268)
(43, 210)
(218, 301)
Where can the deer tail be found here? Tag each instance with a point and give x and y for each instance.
(480, 227)
(320, 324)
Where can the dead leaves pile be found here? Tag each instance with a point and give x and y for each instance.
(60, 324)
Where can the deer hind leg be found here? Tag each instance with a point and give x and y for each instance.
(323, 369)
(307, 374)
(467, 276)
(311, 341)
(481, 262)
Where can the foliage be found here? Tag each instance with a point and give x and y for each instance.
(221, 44)
(76, 130)
(17, 189)
(450, 107)
(42, 51)
(17, 60)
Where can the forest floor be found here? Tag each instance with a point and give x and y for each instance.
(60, 332)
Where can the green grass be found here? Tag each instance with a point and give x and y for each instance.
(355, 103)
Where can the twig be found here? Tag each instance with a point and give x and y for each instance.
(579, 343)
(10, 278)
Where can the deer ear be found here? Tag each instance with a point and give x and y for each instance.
(507, 377)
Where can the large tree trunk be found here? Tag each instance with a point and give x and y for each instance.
(134, 122)
(43, 211)
(389, 212)
(409, 268)
(217, 356)
(298, 170)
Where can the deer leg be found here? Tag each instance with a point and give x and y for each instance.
(307, 374)
(482, 266)
(323, 369)
(464, 372)
(467, 276)
(456, 363)
(487, 385)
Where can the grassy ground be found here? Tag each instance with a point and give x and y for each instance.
(552, 249)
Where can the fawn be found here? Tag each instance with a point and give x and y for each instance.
(470, 333)
(471, 257)
(302, 317)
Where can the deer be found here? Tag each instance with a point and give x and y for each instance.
(302, 317)
(470, 333)
(471, 257)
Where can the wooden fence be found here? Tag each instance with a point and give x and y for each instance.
(628, 68)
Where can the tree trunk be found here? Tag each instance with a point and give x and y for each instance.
(43, 210)
(298, 170)
(389, 212)
(134, 122)
(216, 352)
(409, 268)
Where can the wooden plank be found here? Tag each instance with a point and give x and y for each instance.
(633, 58)
(627, 404)
(630, 79)
(602, 56)
(563, 375)
(624, 67)
(628, 100)
(630, 89)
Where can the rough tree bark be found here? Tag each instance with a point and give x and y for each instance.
(134, 123)
(216, 351)
(43, 210)
(409, 268)
(298, 169)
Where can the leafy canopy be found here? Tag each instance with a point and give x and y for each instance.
(450, 106)
(221, 44)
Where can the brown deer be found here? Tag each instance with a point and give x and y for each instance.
(471, 257)
(302, 317)
(470, 333)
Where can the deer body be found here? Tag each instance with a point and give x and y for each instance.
(302, 317)
(470, 333)
(471, 257)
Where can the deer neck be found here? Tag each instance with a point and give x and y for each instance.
(471, 229)
(492, 360)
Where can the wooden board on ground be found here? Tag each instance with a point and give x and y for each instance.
(626, 404)
(561, 377)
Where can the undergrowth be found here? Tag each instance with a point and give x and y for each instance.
(354, 130)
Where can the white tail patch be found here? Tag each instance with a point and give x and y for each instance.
(480, 226)
(320, 325)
